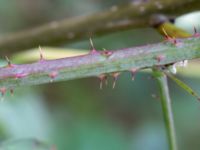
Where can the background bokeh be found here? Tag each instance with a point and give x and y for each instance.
(77, 115)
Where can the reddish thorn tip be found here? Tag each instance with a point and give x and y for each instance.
(3, 90)
(106, 53)
(160, 57)
(53, 75)
(20, 75)
(102, 78)
(133, 72)
(173, 41)
(116, 74)
(178, 43)
(169, 38)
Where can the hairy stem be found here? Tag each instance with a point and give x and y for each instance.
(97, 63)
(133, 15)
(167, 109)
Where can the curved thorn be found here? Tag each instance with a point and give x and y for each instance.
(8, 61)
(133, 72)
(53, 75)
(102, 78)
(115, 77)
(93, 50)
(41, 54)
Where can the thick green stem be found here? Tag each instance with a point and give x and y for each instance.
(133, 15)
(167, 110)
(100, 62)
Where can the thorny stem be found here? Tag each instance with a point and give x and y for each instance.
(100, 62)
(167, 109)
(132, 15)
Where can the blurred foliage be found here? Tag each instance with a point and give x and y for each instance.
(48, 53)
(76, 115)
(24, 144)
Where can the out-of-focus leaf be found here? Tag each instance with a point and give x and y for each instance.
(24, 115)
(48, 53)
(24, 144)
(150, 133)
(90, 134)
(188, 21)
(192, 70)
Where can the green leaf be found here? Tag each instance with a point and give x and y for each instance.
(183, 85)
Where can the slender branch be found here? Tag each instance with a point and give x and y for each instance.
(167, 109)
(97, 63)
(133, 15)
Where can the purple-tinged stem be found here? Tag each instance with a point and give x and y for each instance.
(95, 64)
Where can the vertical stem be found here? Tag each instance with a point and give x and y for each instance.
(167, 109)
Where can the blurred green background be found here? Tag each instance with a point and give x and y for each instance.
(77, 115)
